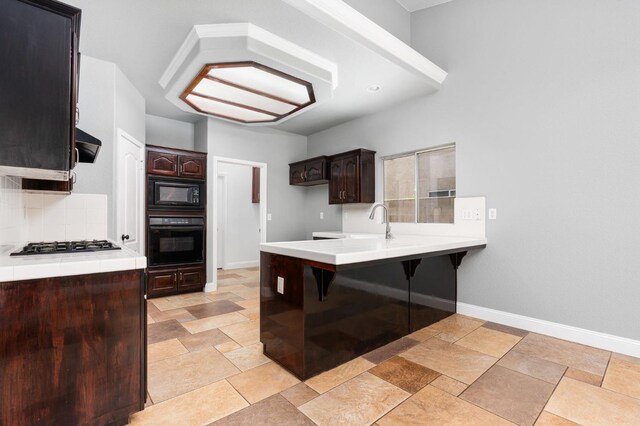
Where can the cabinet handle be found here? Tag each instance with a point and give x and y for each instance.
(175, 277)
(302, 175)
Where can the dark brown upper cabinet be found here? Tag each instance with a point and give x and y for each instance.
(352, 177)
(173, 162)
(191, 167)
(308, 172)
(38, 87)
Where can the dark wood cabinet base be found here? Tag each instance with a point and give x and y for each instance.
(72, 349)
(328, 315)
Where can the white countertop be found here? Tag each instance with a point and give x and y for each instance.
(15, 268)
(367, 247)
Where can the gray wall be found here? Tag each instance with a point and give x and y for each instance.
(386, 13)
(542, 100)
(169, 133)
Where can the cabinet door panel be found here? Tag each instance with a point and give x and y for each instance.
(162, 281)
(191, 277)
(315, 170)
(36, 86)
(433, 294)
(296, 174)
(336, 182)
(192, 167)
(160, 163)
(351, 176)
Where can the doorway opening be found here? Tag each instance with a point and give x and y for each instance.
(238, 214)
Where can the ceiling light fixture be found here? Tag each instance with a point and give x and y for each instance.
(247, 92)
(373, 88)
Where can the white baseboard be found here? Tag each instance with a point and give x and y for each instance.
(209, 287)
(241, 265)
(596, 339)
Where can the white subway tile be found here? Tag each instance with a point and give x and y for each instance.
(53, 233)
(96, 216)
(75, 201)
(33, 200)
(77, 231)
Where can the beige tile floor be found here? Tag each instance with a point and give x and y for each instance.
(206, 366)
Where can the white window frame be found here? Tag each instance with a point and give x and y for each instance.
(415, 173)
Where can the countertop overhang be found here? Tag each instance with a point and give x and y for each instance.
(18, 268)
(366, 248)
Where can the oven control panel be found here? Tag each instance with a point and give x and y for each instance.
(176, 221)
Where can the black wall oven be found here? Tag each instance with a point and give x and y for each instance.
(175, 194)
(176, 240)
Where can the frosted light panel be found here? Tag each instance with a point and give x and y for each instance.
(229, 93)
(225, 110)
(263, 81)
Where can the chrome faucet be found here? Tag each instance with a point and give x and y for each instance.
(385, 219)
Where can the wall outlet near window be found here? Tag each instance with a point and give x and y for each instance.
(280, 285)
(493, 214)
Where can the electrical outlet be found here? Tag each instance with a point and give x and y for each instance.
(321, 215)
(493, 214)
(280, 285)
(268, 216)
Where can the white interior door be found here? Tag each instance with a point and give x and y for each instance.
(130, 192)
(222, 218)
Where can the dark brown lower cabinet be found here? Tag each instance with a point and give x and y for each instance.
(325, 315)
(72, 349)
(175, 280)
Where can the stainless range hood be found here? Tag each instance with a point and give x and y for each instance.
(88, 146)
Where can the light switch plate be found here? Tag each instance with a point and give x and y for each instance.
(268, 216)
(280, 285)
(467, 214)
(321, 215)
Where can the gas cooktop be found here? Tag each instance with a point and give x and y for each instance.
(66, 247)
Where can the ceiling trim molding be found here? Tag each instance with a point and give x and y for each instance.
(415, 5)
(244, 29)
(223, 43)
(346, 20)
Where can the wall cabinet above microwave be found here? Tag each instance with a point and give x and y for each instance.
(38, 83)
(173, 162)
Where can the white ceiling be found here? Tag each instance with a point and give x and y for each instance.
(414, 5)
(142, 36)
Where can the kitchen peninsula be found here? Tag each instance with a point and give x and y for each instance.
(325, 302)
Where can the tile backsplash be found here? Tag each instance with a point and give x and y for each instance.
(12, 220)
(62, 217)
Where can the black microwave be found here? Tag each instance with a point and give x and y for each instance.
(180, 194)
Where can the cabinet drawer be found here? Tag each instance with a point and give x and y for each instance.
(162, 281)
(191, 167)
(191, 277)
(160, 163)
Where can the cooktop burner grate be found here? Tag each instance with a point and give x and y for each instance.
(66, 247)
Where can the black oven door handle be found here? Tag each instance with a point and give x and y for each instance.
(176, 228)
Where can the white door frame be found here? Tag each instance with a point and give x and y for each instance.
(222, 221)
(121, 134)
(213, 284)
